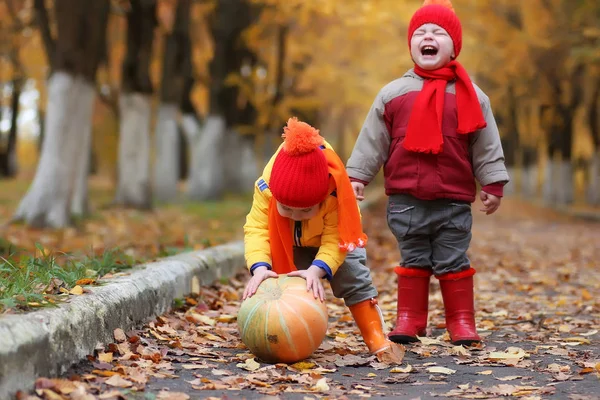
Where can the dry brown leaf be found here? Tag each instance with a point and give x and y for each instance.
(120, 335)
(118, 381)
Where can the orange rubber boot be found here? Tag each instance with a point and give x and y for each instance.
(369, 319)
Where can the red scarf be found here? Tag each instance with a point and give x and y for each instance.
(349, 222)
(424, 131)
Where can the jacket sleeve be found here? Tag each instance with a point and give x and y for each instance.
(372, 145)
(330, 257)
(486, 148)
(257, 249)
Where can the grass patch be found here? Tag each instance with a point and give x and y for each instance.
(49, 263)
(28, 282)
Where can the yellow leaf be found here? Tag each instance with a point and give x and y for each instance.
(303, 365)
(577, 340)
(441, 370)
(105, 357)
(371, 375)
(226, 318)
(249, 365)
(77, 290)
(586, 295)
(404, 370)
(486, 372)
(512, 353)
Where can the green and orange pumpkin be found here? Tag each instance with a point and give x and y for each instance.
(282, 322)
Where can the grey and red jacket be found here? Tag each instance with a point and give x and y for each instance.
(450, 174)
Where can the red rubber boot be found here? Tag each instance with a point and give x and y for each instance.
(457, 292)
(413, 303)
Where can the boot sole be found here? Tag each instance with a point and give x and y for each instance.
(403, 339)
(466, 342)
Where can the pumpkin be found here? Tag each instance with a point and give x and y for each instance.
(282, 322)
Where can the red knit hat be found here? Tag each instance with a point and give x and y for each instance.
(300, 175)
(439, 12)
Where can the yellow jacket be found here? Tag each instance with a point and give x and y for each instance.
(320, 231)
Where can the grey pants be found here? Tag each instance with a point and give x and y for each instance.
(433, 234)
(352, 281)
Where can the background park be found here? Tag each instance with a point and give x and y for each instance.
(133, 130)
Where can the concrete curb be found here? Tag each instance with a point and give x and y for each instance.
(48, 342)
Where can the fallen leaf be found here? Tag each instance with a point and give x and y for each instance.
(105, 357)
(165, 395)
(321, 385)
(85, 281)
(120, 335)
(581, 340)
(303, 365)
(441, 370)
(486, 372)
(509, 378)
(249, 365)
(77, 290)
(117, 381)
(404, 370)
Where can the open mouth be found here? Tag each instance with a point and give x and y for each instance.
(429, 51)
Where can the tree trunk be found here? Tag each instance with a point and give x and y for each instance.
(133, 187)
(8, 158)
(529, 180)
(207, 163)
(166, 166)
(58, 187)
(593, 190)
(230, 19)
(241, 170)
(48, 200)
(83, 107)
(550, 179)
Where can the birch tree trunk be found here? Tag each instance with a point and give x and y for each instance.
(206, 179)
(48, 200)
(240, 163)
(133, 188)
(81, 124)
(175, 62)
(550, 179)
(593, 190)
(60, 183)
(166, 165)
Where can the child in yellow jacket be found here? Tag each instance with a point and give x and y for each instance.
(305, 222)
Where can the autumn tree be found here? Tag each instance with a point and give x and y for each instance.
(166, 164)
(59, 188)
(221, 159)
(135, 104)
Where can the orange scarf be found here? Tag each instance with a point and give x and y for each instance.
(349, 222)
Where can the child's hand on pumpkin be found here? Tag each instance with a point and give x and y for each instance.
(260, 274)
(490, 202)
(313, 277)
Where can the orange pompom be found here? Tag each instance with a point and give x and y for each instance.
(300, 138)
(445, 3)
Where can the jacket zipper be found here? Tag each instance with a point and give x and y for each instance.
(297, 232)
